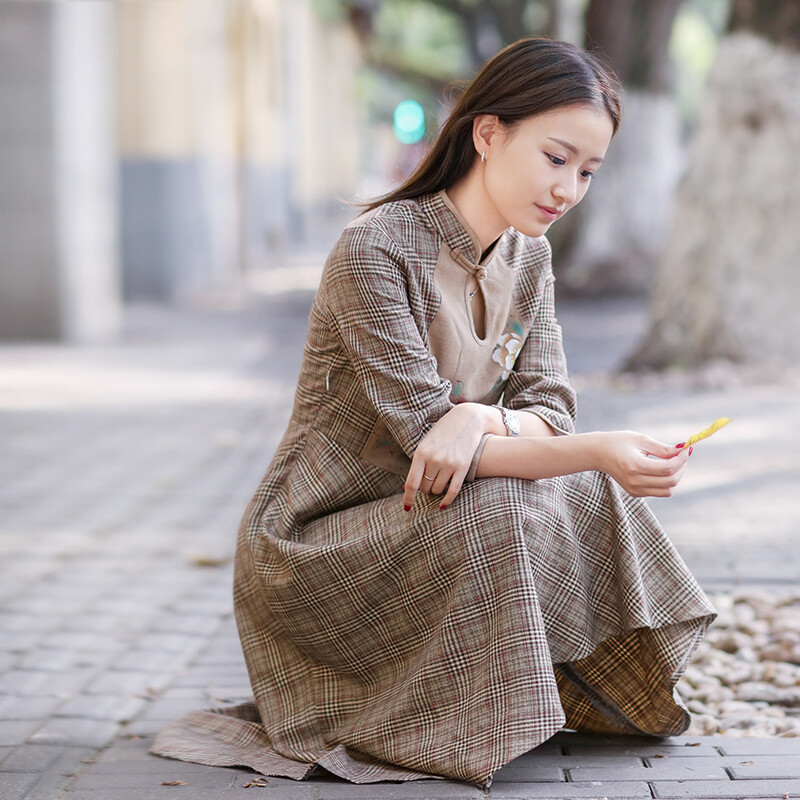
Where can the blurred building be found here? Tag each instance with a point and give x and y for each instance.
(59, 270)
(159, 148)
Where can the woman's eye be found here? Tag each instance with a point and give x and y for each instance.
(587, 175)
(556, 160)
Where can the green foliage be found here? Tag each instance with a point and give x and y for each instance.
(331, 11)
(693, 44)
(423, 36)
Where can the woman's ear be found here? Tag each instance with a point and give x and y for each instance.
(484, 129)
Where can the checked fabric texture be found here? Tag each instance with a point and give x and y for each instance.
(386, 645)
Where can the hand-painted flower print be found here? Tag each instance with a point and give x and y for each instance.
(457, 391)
(506, 351)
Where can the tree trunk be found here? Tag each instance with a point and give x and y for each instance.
(614, 240)
(728, 286)
(634, 36)
(775, 20)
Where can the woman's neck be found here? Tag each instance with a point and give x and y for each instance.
(470, 198)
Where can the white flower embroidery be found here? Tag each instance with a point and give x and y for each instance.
(506, 351)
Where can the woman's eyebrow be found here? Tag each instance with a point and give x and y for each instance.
(572, 148)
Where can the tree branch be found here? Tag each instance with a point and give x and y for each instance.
(397, 69)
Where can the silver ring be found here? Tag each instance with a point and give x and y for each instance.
(427, 477)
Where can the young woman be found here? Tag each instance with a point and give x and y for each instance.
(435, 574)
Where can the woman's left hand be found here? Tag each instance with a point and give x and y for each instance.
(444, 455)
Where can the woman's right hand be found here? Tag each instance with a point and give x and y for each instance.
(443, 456)
(627, 457)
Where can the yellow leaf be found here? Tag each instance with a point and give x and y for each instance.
(207, 560)
(706, 432)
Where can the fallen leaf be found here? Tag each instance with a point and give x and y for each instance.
(174, 783)
(659, 755)
(206, 560)
(693, 744)
(256, 782)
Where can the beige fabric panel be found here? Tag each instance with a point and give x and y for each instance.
(462, 356)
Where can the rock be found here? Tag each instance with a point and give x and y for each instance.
(715, 696)
(703, 725)
(779, 651)
(775, 695)
(787, 621)
(742, 672)
(724, 603)
(756, 690)
(699, 678)
(789, 727)
(784, 675)
(736, 708)
(747, 654)
(743, 613)
(734, 641)
(756, 627)
(745, 677)
(697, 707)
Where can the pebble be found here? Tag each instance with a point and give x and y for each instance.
(745, 677)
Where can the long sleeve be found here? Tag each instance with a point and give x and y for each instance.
(367, 298)
(539, 383)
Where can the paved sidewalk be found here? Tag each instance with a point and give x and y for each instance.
(124, 470)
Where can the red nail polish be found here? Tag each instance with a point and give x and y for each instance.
(406, 508)
(682, 444)
(442, 508)
(690, 450)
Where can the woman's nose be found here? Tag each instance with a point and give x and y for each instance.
(566, 190)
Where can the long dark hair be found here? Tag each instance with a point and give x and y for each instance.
(526, 78)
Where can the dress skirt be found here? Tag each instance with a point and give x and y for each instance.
(391, 645)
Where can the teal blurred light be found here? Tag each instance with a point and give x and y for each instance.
(409, 122)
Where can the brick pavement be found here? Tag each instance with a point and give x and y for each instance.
(125, 468)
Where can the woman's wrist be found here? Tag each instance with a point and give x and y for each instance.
(491, 419)
(595, 449)
(583, 451)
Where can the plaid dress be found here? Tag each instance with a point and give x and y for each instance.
(386, 645)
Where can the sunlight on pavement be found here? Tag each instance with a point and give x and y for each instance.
(78, 386)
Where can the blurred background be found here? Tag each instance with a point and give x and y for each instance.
(159, 151)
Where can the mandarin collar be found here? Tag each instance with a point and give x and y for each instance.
(455, 230)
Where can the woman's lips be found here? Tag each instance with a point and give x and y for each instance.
(549, 213)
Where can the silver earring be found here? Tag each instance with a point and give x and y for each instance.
(483, 156)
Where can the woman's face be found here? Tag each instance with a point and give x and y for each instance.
(538, 170)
